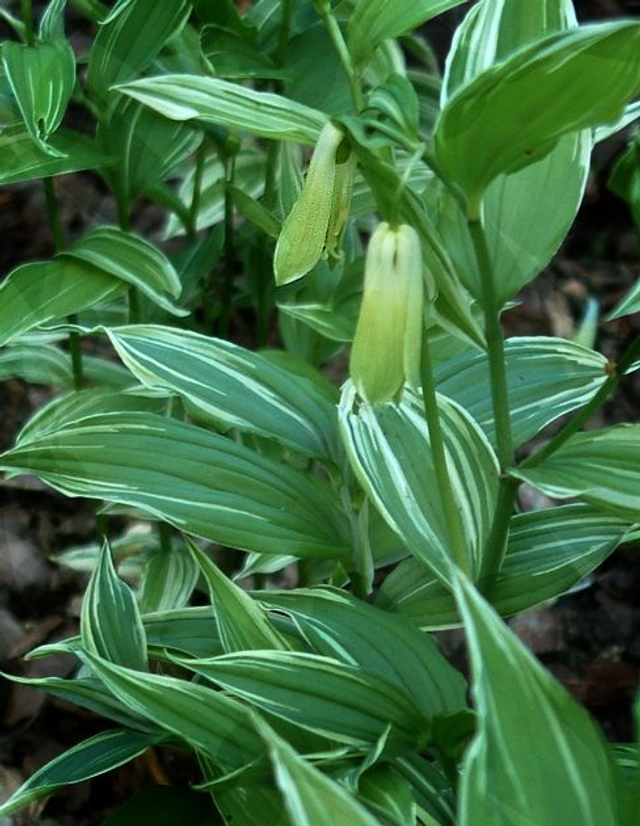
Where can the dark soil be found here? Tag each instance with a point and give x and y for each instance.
(589, 639)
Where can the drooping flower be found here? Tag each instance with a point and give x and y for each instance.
(315, 225)
(387, 345)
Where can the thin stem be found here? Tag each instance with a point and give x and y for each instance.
(496, 545)
(196, 198)
(335, 33)
(452, 515)
(229, 253)
(57, 234)
(428, 156)
(27, 19)
(164, 535)
(288, 7)
(577, 423)
(495, 347)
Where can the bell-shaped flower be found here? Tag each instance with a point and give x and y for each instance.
(314, 226)
(387, 346)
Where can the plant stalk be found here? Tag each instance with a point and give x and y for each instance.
(229, 253)
(452, 515)
(495, 347)
(339, 44)
(27, 19)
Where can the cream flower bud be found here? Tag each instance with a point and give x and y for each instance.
(315, 225)
(387, 345)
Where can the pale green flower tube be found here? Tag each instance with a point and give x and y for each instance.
(314, 226)
(387, 345)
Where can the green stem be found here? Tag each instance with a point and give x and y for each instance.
(288, 7)
(196, 198)
(164, 535)
(496, 545)
(229, 253)
(428, 156)
(577, 423)
(27, 19)
(452, 515)
(362, 570)
(57, 234)
(339, 44)
(495, 347)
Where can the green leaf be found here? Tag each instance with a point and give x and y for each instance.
(91, 758)
(319, 694)
(224, 385)
(551, 766)
(201, 483)
(207, 720)
(110, 622)
(310, 796)
(314, 76)
(492, 31)
(338, 625)
(23, 160)
(546, 378)
(567, 82)
(248, 175)
(373, 21)
(189, 631)
(35, 294)
(164, 806)
(242, 624)
(42, 78)
(82, 404)
(390, 795)
(192, 97)
(389, 449)
(600, 467)
(127, 42)
(132, 259)
(41, 363)
(147, 146)
(629, 305)
(169, 578)
(548, 552)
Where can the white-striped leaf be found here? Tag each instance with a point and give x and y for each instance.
(110, 622)
(227, 386)
(546, 378)
(169, 577)
(600, 467)
(127, 42)
(320, 694)
(495, 29)
(35, 294)
(389, 449)
(242, 624)
(192, 97)
(552, 188)
(82, 404)
(91, 758)
(548, 552)
(200, 482)
(310, 797)
(570, 81)
(389, 794)
(336, 624)
(207, 720)
(552, 766)
(42, 78)
(373, 21)
(190, 631)
(146, 147)
(248, 175)
(133, 260)
(44, 364)
(23, 160)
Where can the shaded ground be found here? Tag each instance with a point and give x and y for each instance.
(589, 639)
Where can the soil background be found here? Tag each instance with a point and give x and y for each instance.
(590, 638)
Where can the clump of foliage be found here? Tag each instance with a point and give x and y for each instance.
(394, 498)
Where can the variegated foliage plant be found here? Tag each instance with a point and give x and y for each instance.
(392, 499)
